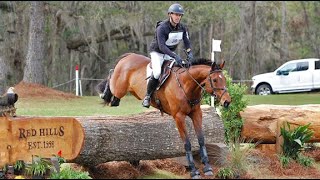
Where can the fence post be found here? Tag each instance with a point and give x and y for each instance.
(77, 80)
(215, 48)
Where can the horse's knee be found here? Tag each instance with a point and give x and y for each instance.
(115, 101)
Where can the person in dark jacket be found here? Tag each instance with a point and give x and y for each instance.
(169, 33)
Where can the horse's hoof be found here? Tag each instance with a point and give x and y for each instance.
(195, 174)
(208, 173)
(115, 101)
(196, 177)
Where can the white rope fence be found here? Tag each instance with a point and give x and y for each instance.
(78, 85)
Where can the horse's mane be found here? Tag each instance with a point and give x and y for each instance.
(201, 61)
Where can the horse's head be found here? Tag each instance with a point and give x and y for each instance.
(215, 84)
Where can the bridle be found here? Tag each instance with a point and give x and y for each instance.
(214, 89)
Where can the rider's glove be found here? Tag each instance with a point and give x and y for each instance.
(190, 56)
(178, 60)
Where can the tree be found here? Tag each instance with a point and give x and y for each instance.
(284, 53)
(34, 69)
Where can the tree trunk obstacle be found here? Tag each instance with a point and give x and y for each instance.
(262, 123)
(149, 136)
(146, 136)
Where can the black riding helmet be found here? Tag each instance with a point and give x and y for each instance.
(176, 8)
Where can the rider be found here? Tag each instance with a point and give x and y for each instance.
(167, 37)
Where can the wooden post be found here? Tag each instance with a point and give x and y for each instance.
(279, 139)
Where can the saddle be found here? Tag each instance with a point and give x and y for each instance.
(165, 71)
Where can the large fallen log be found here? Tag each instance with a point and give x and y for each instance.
(262, 122)
(145, 136)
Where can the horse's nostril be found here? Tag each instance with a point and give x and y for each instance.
(226, 104)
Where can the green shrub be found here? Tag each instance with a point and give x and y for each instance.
(293, 141)
(225, 173)
(231, 116)
(305, 160)
(38, 167)
(61, 160)
(206, 99)
(284, 160)
(67, 172)
(19, 165)
(237, 159)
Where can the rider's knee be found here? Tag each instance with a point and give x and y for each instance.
(156, 75)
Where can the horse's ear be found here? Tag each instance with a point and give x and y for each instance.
(213, 66)
(222, 64)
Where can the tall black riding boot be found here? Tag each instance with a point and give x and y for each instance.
(152, 85)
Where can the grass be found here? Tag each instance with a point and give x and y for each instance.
(91, 105)
(82, 106)
(284, 99)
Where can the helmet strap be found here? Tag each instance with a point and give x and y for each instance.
(171, 20)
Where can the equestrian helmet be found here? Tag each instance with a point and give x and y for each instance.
(176, 8)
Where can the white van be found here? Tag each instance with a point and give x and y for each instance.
(293, 76)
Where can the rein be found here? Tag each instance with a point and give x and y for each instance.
(192, 103)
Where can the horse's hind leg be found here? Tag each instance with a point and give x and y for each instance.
(103, 89)
(180, 122)
(196, 117)
(115, 101)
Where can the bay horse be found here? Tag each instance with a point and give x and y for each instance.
(180, 95)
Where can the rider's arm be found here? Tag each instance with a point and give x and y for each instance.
(186, 39)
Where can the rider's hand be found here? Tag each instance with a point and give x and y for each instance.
(178, 60)
(190, 56)
(188, 64)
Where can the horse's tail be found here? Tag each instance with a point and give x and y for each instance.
(103, 89)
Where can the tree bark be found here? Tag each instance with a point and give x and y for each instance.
(145, 136)
(5, 5)
(261, 121)
(3, 75)
(284, 36)
(34, 69)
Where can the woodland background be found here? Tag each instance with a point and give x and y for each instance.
(42, 41)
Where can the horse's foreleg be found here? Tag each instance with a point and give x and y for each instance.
(180, 122)
(197, 123)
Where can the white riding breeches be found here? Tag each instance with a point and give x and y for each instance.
(157, 60)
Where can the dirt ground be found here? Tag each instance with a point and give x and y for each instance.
(265, 164)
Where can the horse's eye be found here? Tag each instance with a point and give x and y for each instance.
(214, 80)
